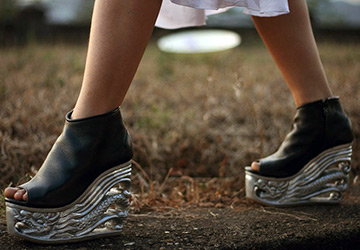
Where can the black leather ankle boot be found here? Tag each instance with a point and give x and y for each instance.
(312, 163)
(86, 148)
(86, 172)
(317, 126)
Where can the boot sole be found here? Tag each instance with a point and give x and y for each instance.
(99, 212)
(322, 180)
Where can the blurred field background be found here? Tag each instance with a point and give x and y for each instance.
(196, 120)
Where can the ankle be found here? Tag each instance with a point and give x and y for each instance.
(82, 112)
(301, 98)
(309, 99)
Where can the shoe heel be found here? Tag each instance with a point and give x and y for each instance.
(322, 180)
(100, 211)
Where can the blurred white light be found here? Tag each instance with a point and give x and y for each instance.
(199, 41)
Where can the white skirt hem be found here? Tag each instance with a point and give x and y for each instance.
(176, 14)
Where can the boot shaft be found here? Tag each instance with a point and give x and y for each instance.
(329, 121)
(338, 125)
(317, 126)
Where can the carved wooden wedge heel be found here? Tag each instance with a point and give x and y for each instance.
(312, 164)
(82, 190)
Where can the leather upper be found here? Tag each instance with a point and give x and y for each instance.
(317, 126)
(85, 149)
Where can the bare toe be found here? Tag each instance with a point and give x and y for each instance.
(19, 195)
(255, 166)
(25, 196)
(10, 192)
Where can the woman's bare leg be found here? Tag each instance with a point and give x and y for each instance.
(291, 43)
(119, 34)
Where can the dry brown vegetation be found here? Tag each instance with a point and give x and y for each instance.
(195, 120)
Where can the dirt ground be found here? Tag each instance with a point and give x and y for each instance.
(245, 227)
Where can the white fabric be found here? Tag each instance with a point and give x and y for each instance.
(184, 13)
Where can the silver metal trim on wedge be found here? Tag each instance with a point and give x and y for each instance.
(100, 211)
(322, 180)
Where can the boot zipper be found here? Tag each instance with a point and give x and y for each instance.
(326, 107)
(326, 111)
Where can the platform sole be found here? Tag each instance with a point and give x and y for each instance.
(99, 212)
(322, 180)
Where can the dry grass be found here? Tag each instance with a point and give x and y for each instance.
(191, 116)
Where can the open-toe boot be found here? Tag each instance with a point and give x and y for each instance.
(312, 164)
(82, 189)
